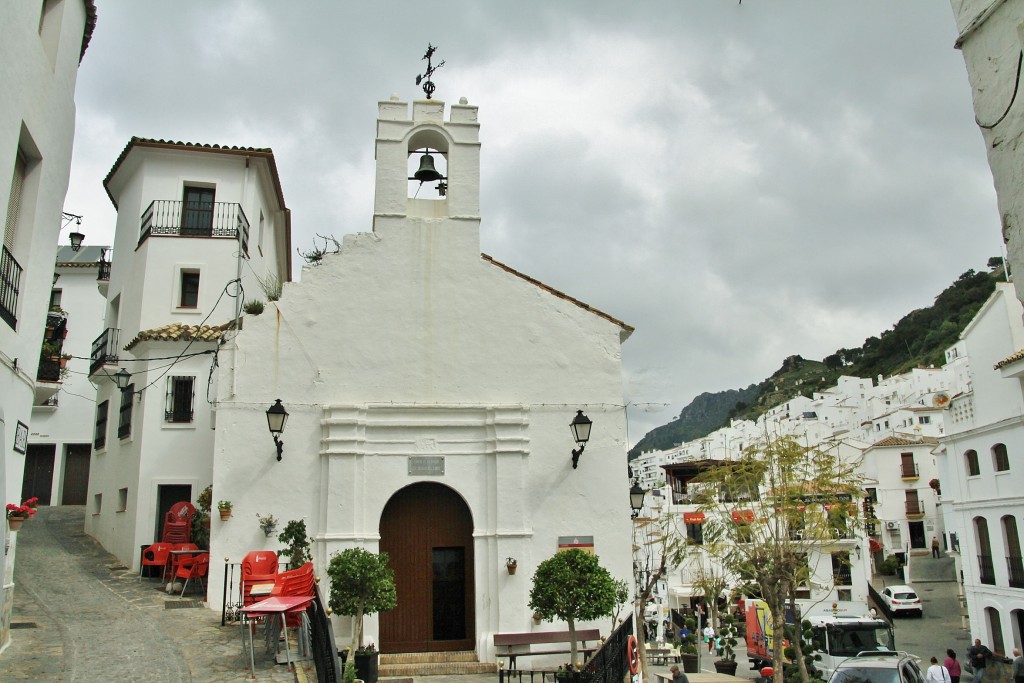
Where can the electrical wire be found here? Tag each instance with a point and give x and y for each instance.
(1016, 85)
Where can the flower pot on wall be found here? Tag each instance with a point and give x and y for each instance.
(225, 514)
(15, 522)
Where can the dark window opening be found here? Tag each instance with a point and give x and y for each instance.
(180, 397)
(189, 289)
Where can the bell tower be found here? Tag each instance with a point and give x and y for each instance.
(427, 168)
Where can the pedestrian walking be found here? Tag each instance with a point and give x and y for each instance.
(935, 547)
(709, 637)
(978, 656)
(1018, 666)
(937, 673)
(952, 666)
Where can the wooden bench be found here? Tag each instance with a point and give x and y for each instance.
(520, 644)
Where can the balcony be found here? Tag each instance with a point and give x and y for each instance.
(172, 218)
(986, 570)
(104, 350)
(10, 288)
(1015, 567)
(914, 508)
(909, 471)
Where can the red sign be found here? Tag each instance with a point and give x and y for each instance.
(632, 656)
(693, 518)
(743, 516)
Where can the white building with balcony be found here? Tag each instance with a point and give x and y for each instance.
(200, 230)
(60, 435)
(981, 475)
(41, 45)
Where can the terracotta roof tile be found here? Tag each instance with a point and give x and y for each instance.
(181, 332)
(904, 441)
(1009, 359)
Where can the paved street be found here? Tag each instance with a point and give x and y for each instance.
(80, 617)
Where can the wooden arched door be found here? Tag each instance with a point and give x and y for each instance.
(427, 530)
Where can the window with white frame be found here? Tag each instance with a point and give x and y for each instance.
(180, 399)
(188, 291)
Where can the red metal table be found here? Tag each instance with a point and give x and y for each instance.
(271, 607)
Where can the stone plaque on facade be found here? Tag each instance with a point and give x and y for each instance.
(426, 465)
(584, 543)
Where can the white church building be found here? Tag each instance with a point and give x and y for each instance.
(430, 390)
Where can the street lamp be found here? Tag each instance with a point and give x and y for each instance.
(580, 427)
(121, 378)
(277, 416)
(636, 498)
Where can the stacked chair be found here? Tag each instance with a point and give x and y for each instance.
(175, 535)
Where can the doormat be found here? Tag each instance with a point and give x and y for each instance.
(182, 604)
(23, 624)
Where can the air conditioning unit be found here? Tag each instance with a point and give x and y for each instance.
(892, 525)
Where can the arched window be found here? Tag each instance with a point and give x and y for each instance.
(1011, 541)
(986, 569)
(1000, 458)
(971, 463)
(995, 629)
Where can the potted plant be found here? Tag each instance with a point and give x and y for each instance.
(17, 514)
(224, 507)
(361, 583)
(253, 307)
(294, 535)
(934, 483)
(688, 647)
(511, 564)
(726, 663)
(268, 523)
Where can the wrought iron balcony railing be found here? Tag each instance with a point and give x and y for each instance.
(914, 507)
(164, 217)
(909, 470)
(103, 274)
(1015, 565)
(10, 288)
(104, 350)
(986, 570)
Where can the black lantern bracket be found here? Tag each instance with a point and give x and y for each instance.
(580, 427)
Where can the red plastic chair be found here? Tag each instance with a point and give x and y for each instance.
(193, 567)
(258, 566)
(295, 582)
(178, 523)
(174, 561)
(155, 556)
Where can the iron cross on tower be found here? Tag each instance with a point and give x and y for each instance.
(428, 85)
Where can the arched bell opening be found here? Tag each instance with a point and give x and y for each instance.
(427, 165)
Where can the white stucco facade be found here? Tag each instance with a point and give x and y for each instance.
(983, 493)
(62, 414)
(41, 44)
(411, 346)
(162, 451)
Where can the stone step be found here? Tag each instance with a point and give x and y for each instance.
(435, 669)
(428, 657)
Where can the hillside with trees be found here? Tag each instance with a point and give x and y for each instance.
(919, 339)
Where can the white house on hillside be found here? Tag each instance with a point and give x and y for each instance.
(981, 472)
(60, 437)
(198, 228)
(41, 45)
(430, 390)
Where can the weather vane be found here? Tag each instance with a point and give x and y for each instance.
(428, 85)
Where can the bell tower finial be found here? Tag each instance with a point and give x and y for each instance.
(424, 78)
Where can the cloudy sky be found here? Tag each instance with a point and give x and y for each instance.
(740, 182)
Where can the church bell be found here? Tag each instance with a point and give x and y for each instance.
(426, 172)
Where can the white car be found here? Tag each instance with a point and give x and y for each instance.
(900, 599)
(878, 667)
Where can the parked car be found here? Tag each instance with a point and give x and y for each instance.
(878, 667)
(902, 599)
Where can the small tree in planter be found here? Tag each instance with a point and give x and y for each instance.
(361, 583)
(726, 663)
(294, 535)
(572, 586)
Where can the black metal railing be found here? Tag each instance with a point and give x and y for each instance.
(1015, 567)
(231, 600)
(986, 569)
(175, 218)
(104, 350)
(908, 470)
(843, 577)
(10, 287)
(103, 271)
(49, 369)
(607, 665)
(321, 636)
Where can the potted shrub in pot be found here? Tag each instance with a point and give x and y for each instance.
(294, 536)
(361, 583)
(688, 647)
(726, 663)
(224, 507)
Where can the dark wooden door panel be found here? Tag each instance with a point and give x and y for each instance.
(76, 474)
(427, 530)
(37, 480)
